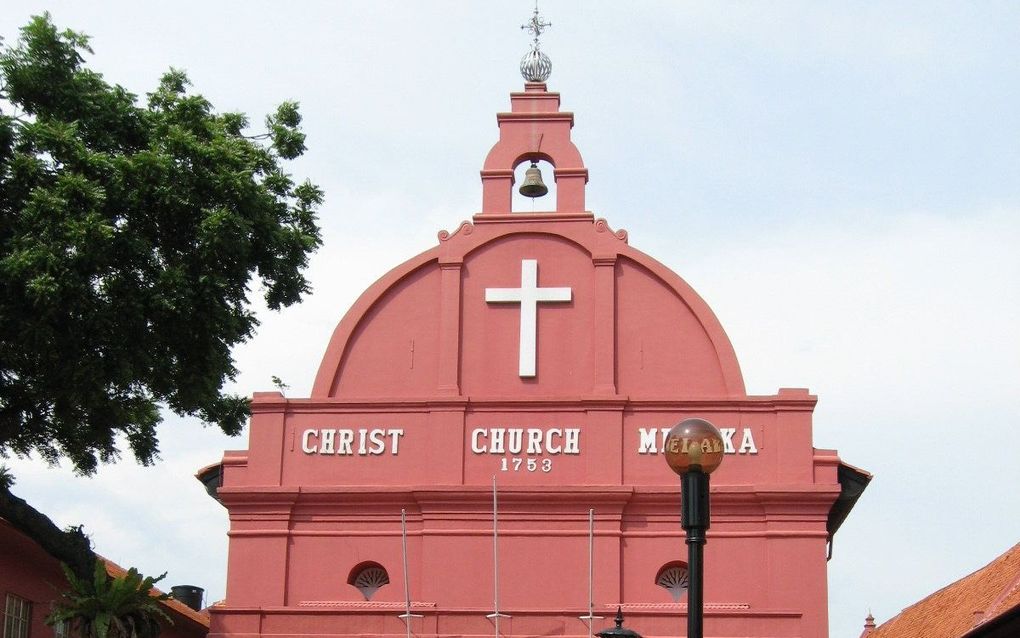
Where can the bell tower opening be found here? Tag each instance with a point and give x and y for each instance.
(526, 179)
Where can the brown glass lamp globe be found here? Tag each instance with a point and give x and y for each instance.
(694, 445)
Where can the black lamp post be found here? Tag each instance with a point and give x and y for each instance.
(694, 448)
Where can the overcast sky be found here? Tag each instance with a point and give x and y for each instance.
(839, 181)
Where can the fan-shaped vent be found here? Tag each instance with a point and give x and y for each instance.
(369, 580)
(674, 580)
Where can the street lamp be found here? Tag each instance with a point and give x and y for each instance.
(694, 448)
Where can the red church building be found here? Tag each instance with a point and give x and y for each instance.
(481, 453)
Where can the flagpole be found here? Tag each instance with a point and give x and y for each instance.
(591, 570)
(407, 615)
(495, 554)
(495, 615)
(590, 618)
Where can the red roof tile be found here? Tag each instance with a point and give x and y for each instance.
(956, 609)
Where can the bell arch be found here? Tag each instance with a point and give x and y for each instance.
(544, 202)
(534, 128)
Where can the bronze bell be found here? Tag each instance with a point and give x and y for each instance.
(533, 185)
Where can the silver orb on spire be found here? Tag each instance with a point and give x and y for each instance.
(535, 65)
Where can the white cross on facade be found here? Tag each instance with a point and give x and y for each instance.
(529, 295)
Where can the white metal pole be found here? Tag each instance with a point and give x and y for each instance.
(495, 555)
(407, 615)
(495, 615)
(591, 572)
(407, 586)
(591, 617)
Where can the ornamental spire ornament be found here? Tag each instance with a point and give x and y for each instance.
(535, 65)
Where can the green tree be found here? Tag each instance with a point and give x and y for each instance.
(131, 234)
(104, 607)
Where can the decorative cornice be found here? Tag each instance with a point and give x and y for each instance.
(517, 218)
(464, 229)
(260, 496)
(602, 226)
(809, 497)
(530, 88)
(364, 604)
(538, 116)
(430, 608)
(681, 606)
(746, 404)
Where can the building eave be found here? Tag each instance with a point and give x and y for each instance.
(852, 483)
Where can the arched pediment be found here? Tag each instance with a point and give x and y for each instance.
(426, 329)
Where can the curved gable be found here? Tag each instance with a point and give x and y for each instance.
(630, 327)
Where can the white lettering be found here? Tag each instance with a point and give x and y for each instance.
(306, 445)
(477, 447)
(647, 444)
(572, 445)
(344, 440)
(395, 438)
(727, 439)
(326, 441)
(647, 441)
(528, 441)
(370, 442)
(534, 441)
(378, 442)
(514, 440)
(747, 445)
(496, 440)
(549, 447)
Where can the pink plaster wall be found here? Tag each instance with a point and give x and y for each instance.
(423, 353)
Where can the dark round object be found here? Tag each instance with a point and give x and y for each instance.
(694, 445)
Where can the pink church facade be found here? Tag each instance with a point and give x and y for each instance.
(542, 354)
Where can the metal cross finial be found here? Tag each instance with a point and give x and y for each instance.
(535, 65)
(535, 26)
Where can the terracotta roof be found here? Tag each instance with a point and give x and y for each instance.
(174, 607)
(957, 609)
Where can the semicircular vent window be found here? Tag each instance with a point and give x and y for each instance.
(368, 578)
(673, 577)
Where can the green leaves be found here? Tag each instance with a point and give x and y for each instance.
(104, 607)
(288, 141)
(129, 235)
